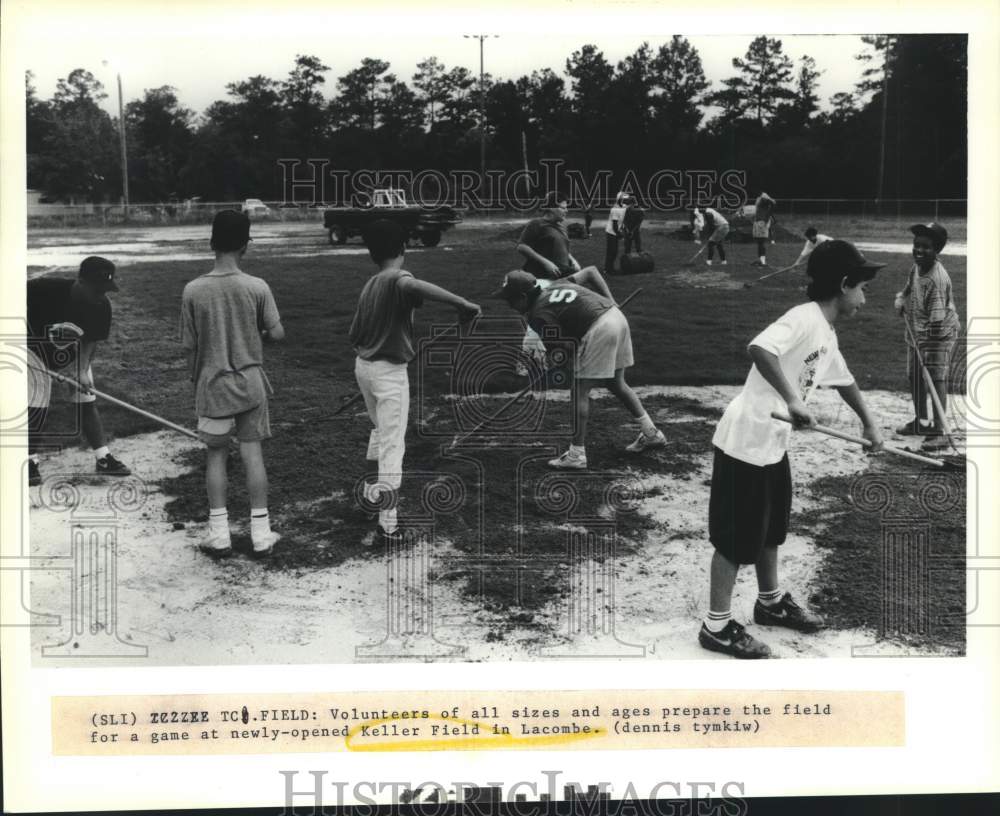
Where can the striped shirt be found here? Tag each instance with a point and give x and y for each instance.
(930, 304)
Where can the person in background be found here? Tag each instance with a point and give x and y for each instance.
(612, 232)
(813, 240)
(762, 217)
(632, 223)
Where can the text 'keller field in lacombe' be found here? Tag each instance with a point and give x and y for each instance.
(475, 720)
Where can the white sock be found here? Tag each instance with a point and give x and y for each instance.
(763, 259)
(260, 522)
(709, 263)
(388, 521)
(578, 450)
(646, 424)
(218, 521)
(101, 452)
(715, 622)
(770, 598)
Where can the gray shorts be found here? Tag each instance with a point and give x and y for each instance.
(605, 348)
(720, 234)
(936, 355)
(250, 426)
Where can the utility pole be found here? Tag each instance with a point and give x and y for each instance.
(885, 111)
(482, 107)
(121, 139)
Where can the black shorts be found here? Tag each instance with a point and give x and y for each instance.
(749, 507)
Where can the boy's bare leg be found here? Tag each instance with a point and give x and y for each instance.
(941, 422)
(256, 474)
(90, 422)
(216, 477)
(582, 408)
(767, 569)
(721, 582)
(624, 392)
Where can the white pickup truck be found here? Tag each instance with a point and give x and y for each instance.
(425, 224)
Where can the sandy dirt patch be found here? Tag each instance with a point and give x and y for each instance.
(188, 610)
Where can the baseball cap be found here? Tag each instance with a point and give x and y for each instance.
(838, 259)
(100, 272)
(515, 283)
(937, 234)
(553, 199)
(230, 230)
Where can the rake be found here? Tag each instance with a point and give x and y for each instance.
(942, 464)
(691, 260)
(459, 439)
(749, 284)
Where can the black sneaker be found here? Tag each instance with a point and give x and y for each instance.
(915, 428)
(109, 466)
(733, 640)
(786, 613)
(34, 476)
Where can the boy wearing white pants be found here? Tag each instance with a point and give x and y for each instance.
(382, 336)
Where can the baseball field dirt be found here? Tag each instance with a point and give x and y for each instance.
(324, 593)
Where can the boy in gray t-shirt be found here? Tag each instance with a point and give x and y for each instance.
(226, 315)
(382, 336)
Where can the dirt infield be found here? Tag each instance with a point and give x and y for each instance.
(190, 610)
(324, 592)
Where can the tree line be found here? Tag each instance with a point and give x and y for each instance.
(899, 133)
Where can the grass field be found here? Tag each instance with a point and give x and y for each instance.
(690, 327)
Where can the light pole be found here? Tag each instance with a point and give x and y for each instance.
(121, 142)
(482, 106)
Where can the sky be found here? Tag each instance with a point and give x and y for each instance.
(199, 58)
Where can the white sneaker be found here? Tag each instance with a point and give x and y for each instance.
(643, 442)
(217, 545)
(708, 263)
(570, 461)
(723, 263)
(263, 544)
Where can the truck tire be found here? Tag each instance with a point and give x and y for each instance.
(430, 239)
(338, 235)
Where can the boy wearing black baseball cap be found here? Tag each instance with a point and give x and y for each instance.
(67, 319)
(927, 304)
(751, 495)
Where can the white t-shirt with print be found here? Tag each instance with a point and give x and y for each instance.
(616, 214)
(810, 246)
(807, 351)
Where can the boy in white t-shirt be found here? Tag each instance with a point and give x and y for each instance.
(751, 480)
(813, 239)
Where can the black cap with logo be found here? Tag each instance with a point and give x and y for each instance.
(99, 272)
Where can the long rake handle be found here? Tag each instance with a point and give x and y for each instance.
(929, 382)
(778, 272)
(479, 426)
(857, 440)
(358, 395)
(120, 403)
